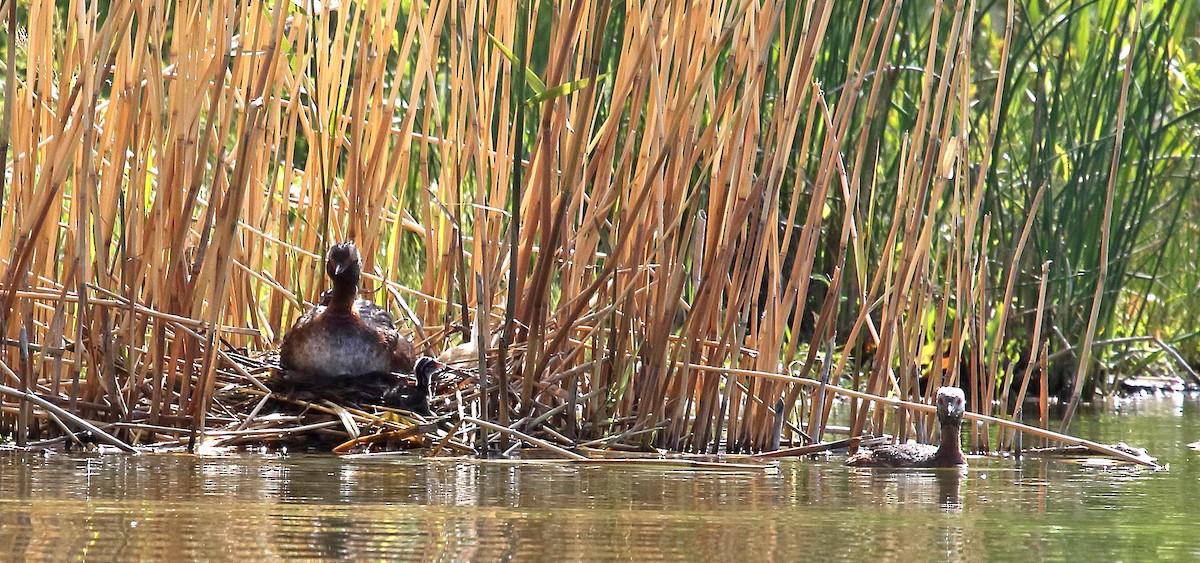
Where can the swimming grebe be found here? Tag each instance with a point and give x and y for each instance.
(950, 406)
(346, 338)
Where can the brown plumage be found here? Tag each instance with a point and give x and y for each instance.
(346, 342)
(950, 406)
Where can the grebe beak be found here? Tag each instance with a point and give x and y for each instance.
(955, 408)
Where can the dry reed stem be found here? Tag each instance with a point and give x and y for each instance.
(1084, 365)
(60, 413)
(524, 437)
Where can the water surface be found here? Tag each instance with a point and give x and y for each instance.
(116, 507)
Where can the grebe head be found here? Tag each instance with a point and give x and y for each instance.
(951, 403)
(343, 263)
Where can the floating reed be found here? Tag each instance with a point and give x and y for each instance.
(630, 211)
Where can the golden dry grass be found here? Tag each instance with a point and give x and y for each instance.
(177, 169)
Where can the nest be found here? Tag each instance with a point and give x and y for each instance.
(251, 409)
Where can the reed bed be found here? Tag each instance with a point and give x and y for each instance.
(627, 216)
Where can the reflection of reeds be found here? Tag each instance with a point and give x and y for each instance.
(685, 190)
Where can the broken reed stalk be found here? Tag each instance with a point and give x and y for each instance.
(669, 464)
(809, 449)
(62, 414)
(523, 437)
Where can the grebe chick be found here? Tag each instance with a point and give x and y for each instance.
(951, 402)
(415, 398)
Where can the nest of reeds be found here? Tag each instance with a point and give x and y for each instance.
(250, 410)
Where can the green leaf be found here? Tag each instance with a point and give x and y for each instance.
(563, 89)
(531, 79)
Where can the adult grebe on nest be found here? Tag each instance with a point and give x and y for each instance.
(950, 406)
(350, 346)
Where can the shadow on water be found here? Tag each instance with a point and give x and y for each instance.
(257, 507)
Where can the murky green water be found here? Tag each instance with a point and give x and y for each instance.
(117, 507)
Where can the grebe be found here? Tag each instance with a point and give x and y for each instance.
(950, 406)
